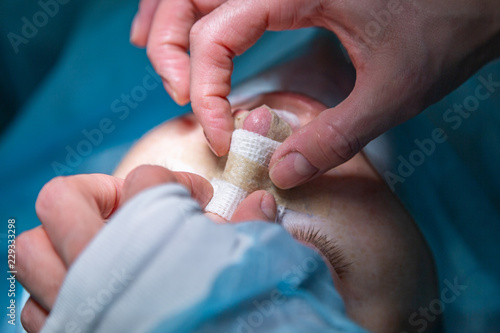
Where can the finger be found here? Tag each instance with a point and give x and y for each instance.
(337, 134)
(168, 44)
(141, 24)
(33, 316)
(39, 268)
(72, 210)
(258, 206)
(200, 189)
(214, 43)
(216, 218)
(146, 176)
(215, 40)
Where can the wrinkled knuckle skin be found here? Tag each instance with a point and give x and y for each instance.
(152, 54)
(203, 31)
(51, 194)
(336, 145)
(196, 30)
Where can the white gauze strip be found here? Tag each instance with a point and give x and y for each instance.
(251, 146)
(226, 198)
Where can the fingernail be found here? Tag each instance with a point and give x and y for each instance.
(171, 91)
(291, 170)
(268, 206)
(133, 29)
(210, 145)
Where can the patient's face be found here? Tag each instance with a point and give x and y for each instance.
(385, 272)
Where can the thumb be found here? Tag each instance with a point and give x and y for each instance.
(260, 205)
(337, 134)
(216, 39)
(146, 176)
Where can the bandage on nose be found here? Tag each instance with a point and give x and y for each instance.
(247, 166)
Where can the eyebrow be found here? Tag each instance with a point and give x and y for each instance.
(326, 245)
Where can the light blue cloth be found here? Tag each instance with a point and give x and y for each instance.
(160, 265)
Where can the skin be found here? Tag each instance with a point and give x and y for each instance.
(73, 209)
(391, 272)
(407, 55)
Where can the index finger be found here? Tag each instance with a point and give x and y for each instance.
(73, 209)
(215, 40)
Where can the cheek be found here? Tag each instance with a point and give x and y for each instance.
(383, 249)
(178, 145)
(189, 152)
(337, 282)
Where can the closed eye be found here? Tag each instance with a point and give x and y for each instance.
(327, 246)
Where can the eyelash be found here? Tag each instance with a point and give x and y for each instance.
(325, 245)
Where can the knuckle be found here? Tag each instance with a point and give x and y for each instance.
(212, 111)
(197, 30)
(155, 53)
(50, 196)
(151, 53)
(23, 242)
(336, 145)
(205, 32)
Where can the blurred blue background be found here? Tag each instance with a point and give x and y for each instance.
(74, 71)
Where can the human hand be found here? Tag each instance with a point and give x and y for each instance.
(407, 54)
(72, 211)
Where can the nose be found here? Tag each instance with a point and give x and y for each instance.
(296, 109)
(246, 169)
(275, 124)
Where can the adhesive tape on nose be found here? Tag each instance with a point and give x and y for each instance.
(246, 170)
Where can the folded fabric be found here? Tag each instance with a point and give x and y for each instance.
(159, 265)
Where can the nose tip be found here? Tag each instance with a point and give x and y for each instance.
(258, 121)
(264, 121)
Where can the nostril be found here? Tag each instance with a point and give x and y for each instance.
(266, 122)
